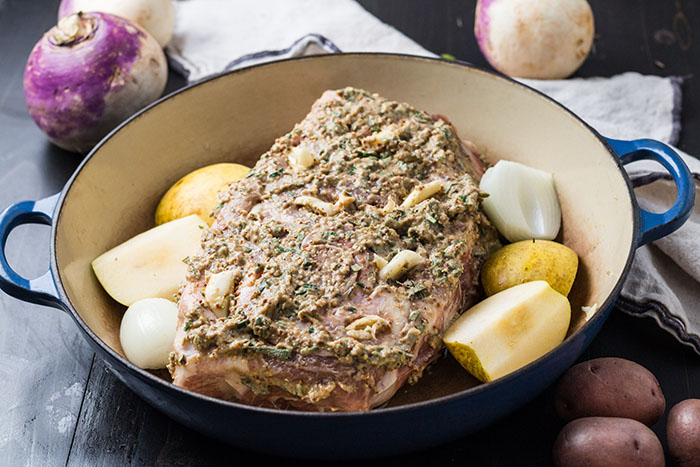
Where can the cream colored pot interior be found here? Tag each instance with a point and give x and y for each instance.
(237, 117)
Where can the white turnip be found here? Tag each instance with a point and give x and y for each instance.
(155, 16)
(543, 39)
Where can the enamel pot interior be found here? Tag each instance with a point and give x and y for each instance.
(237, 116)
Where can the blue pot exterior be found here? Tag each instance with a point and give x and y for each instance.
(378, 432)
(381, 432)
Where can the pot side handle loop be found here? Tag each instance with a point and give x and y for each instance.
(655, 226)
(41, 290)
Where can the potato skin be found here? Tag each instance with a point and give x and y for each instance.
(195, 193)
(610, 387)
(527, 261)
(683, 433)
(608, 442)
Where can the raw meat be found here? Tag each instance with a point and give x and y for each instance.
(290, 303)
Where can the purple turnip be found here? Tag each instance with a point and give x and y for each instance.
(155, 16)
(88, 74)
(544, 39)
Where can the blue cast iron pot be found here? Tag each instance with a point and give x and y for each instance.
(235, 117)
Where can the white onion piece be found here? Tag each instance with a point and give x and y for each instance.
(147, 332)
(522, 201)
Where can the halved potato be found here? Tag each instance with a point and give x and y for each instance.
(151, 263)
(508, 330)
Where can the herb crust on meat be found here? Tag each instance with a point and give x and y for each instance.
(333, 269)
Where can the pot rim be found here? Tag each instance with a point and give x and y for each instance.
(600, 314)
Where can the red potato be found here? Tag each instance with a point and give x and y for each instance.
(683, 433)
(607, 442)
(610, 387)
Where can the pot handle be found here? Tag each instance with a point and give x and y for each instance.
(41, 290)
(654, 226)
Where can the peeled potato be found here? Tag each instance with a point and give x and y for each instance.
(195, 193)
(527, 261)
(509, 330)
(151, 263)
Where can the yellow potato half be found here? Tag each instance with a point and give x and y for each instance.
(195, 193)
(150, 264)
(527, 261)
(509, 330)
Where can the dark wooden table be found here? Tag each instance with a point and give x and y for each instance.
(58, 404)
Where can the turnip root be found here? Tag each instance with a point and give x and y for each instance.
(155, 16)
(543, 39)
(88, 74)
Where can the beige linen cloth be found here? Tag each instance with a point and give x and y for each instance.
(216, 35)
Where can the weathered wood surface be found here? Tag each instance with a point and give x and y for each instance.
(45, 362)
(59, 405)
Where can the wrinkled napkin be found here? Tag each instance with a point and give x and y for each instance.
(212, 36)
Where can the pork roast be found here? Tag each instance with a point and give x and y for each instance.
(333, 269)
